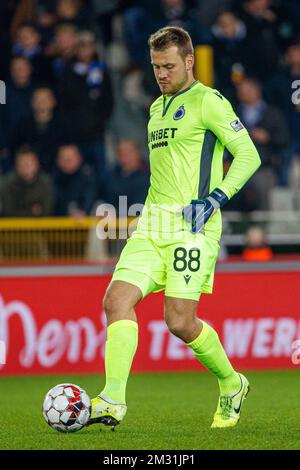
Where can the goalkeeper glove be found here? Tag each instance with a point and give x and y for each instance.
(200, 210)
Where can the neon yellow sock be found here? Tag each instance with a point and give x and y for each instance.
(209, 351)
(120, 348)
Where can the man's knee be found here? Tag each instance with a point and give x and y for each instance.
(110, 302)
(119, 303)
(177, 327)
(181, 320)
(176, 322)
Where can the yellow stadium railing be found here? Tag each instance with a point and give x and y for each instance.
(59, 239)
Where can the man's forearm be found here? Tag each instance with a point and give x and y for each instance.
(245, 163)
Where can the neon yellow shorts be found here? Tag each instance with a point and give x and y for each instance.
(182, 268)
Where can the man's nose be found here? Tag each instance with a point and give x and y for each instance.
(162, 74)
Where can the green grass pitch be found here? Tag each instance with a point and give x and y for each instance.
(165, 411)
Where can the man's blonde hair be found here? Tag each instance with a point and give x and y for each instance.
(172, 36)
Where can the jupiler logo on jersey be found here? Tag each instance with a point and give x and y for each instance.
(179, 113)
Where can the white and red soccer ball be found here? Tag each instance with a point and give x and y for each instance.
(67, 408)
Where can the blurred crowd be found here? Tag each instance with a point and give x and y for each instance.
(79, 85)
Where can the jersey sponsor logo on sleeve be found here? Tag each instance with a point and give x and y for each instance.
(237, 125)
(179, 113)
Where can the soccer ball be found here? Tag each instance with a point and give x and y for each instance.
(67, 408)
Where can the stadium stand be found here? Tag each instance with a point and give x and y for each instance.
(78, 80)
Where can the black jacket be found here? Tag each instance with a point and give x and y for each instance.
(90, 109)
(44, 138)
(17, 105)
(115, 183)
(74, 191)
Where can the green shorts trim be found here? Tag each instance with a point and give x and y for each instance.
(140, 280)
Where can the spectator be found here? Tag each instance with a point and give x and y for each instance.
(44, 128)
(260, 23)
(209, 10)
(104, 14)
(5, 161)
(18, 93)
(27, 191)
(63, 48)
(38, 12)
(149, 15)
(74, 12)
(86, 94)
(182, 13)
(44, 35)
(23, 14)
(45, 19)
(74, 184)
(287, 20)
(256, 248)
(128, 177)
(230, 52)
(293, 9)
(28, 45)
(280, 92)
(4, 38)
(269, 132)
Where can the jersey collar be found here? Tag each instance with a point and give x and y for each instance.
(165, 108)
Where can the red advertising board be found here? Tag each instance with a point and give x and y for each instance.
(57, 325)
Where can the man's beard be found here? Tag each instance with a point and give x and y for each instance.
(173, 88)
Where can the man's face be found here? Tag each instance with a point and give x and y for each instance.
(248, 93)
(20, 71)
(28, 37)
(66, 41)
(257, 6)
(170, 69)
(43, 100)
(27, 166)
(68, 8)
(69, 159)
(228, 24)
(86, 51)
(128, 155)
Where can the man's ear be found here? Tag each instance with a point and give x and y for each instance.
(189, 62)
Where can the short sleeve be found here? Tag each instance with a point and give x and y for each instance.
(219, 117)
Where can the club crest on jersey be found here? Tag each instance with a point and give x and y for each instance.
(179, 113)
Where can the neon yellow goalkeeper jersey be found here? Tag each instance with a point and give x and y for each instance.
(187, 133)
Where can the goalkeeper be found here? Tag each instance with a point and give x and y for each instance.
(175, 246)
